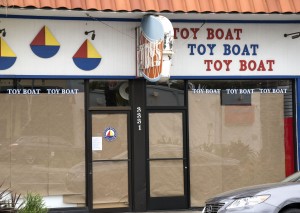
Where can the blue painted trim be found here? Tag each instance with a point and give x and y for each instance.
(298, 122)
(134, 77)
(71, 18)
(142, 14)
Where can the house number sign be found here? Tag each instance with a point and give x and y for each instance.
(139, 118)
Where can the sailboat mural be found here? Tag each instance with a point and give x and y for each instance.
(87, 58)
(45, 45)
(7, 56)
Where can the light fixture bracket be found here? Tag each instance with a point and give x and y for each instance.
(93, 34)
(294, 35)
(3, 32)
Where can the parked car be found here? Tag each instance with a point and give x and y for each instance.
(281, 197)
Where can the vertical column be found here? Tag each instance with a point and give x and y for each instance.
(138, 94)
(298, 122)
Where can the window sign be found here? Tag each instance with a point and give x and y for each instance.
(218, 49)
(96, 143)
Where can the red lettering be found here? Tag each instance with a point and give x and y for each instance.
(218, 65)
(270, 63)
(184, 33)
(227, 62)
(261, 66)
(175, 32)
(238, 32)
(195, 30)
(229, 35)
(210, 34)
(219, 34)
(252, 65)
(243, 65)
(208, 63)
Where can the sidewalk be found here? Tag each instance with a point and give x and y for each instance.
(175, 211)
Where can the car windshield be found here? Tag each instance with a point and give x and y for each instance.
(293, 178)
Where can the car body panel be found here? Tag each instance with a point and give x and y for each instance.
(281, 194)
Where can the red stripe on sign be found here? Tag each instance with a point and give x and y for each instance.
(39, 40)
(82, 51)
(289, 146)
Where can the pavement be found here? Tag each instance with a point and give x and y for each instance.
(176, 211)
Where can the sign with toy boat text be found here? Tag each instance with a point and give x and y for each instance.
(61, 48)
(212, 49)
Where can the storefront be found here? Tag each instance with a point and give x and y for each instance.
(81, 127)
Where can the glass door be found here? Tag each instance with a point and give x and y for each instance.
(110, 161)
(167, 165)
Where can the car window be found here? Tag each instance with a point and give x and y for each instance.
(293, 178)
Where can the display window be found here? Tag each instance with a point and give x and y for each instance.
(228, 133)
(169, 93)
(108, 93)
(42, 138)
(240, 134)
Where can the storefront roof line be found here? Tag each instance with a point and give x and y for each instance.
(172, 6)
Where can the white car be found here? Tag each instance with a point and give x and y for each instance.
(282, 197)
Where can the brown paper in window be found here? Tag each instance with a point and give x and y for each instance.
(224, 157)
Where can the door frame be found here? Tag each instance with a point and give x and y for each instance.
(89, 162)
(174, 202)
